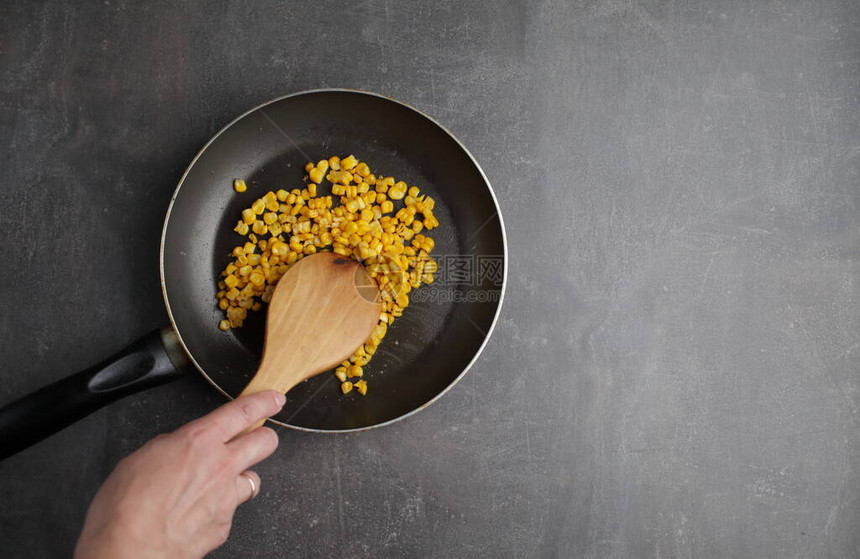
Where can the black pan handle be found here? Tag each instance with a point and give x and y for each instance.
(155, 359)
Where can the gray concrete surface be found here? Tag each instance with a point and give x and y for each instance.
(675, 372)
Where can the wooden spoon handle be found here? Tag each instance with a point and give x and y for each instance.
(263, 381)
(252, 389)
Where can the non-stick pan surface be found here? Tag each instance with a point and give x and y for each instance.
(437, 339)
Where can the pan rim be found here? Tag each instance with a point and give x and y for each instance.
(474, 161)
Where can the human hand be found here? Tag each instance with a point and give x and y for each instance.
(175, 497)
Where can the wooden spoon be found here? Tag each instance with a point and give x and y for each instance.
(322, 309)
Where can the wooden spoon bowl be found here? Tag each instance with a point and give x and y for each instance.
(322, 309)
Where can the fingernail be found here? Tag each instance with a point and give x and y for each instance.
(280, 399)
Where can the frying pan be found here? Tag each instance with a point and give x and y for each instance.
(426, 351)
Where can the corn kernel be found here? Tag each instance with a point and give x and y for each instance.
(280, 248)
(402, 300)
(259, 228)
(361, 386)
(257, 278)
(346, 387)
(348, 162)
(239, 185)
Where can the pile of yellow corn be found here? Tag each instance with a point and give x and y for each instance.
(282, 227)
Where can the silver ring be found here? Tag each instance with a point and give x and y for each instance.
(253, 485)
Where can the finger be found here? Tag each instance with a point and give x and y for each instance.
(252, 448)
(247, 485)
(234, 417)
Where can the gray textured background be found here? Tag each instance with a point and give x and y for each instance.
(675, 372)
